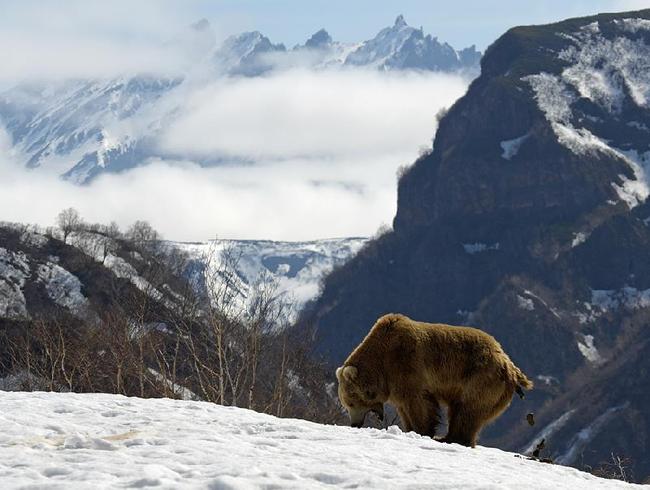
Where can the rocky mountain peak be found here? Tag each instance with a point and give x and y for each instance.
(400, 23)
(319, 39)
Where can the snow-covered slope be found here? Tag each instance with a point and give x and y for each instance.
(109, 441)
(291, 270)
(81, 128)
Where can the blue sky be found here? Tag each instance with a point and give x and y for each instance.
(459, 22)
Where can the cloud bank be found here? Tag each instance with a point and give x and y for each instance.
(323, 149)
(83, 39)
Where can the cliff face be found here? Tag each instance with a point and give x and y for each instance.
(528, 220)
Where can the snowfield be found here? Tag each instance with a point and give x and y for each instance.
(65, 440)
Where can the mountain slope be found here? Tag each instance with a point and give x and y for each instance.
(291, 271)
(528, 220)
(39, 274)
(83, 279)
(107, 440)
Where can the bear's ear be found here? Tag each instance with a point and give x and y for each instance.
(348, 373)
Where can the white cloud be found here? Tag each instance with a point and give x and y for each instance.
(326, 148)
(187, 202)
(318, 114)
(78, 38)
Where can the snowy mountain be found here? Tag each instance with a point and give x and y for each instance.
(244, 54)
(530, 221)
(291, 271)
(80, 129)
(404, 47)
(101, 441)
(398, 47)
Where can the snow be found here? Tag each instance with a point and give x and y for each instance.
(70, 441)
(291, 270)
(580, 441)
(63, 288)
(552, 95)
(33, 238)
(609, 72)
(553, 311)
(579, 239)
(511, 147)
(548, 431)
(474, 248)
(525, 303)
(634, 192)
(601, 69)
(547, 379)
(14, 270)
(589, 351)
(178, 390)
(638, 125)
(634, 25)
(612, 299)
(121, 268)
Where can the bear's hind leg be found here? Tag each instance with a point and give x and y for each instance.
(420, 415)
(464, 425)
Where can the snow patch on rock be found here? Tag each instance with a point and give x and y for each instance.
(579, 239)
(62, 287)
(14, 270)
(633, 25)
(510, 148)
(552, 95)
(548, 431)
(613, 299)
(608, 72)
(121, 268)
(582, 438)
(589, 351)
(525, 303)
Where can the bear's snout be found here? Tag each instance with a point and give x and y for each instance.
(357, 417)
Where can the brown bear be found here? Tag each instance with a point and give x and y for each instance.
(419, 367)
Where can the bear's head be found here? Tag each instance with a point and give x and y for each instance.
(359, 393)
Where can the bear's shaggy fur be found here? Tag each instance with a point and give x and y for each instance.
(419, 367)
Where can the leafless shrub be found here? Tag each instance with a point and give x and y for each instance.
(142, 235)
(171, 340)
(617, 468)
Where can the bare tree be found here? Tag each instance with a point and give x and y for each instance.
(68, 221)
(142, 234)
(175, 339)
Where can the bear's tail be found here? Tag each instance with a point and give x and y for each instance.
(518, 379)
